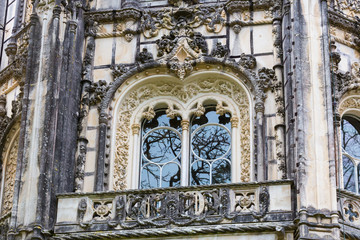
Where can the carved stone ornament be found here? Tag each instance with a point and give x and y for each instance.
(266, 80)
(9, 158)
(181, 69)
(171, 112)
(351, 210)
(349, 103)
(183, 92)
(149, 114)
(118, 70)
(183, 3)
(247, 61)
(355, 70)
(213, 17)
(345, 82)
(181, 48)
(96, 91)
(174, 207)
(144, 56)
(220, 51)
(80, 165)
(349, 7)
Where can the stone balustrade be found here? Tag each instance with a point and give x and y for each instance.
(182, 206)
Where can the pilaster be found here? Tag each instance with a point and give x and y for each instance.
(49, 117)
(314, 144)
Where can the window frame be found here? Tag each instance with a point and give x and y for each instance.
(185, 111)
(354, 120)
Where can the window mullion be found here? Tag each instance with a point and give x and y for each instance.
(356, 178)
(185, 153)
(136, 155)
(235, 171)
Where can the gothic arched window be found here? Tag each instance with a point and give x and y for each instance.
(350, 134)
(172, 133)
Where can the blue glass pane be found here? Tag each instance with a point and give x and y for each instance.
(348, 174)
(170, 175)
(350, 138)
(161, 146)
(150, 176)
(200, 173)
(211, 142)
(221, 171)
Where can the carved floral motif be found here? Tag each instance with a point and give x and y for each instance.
(220, 51)
(144, 56)
(345, 82)
(212, 17)
(10, 159)
(350, 7)
(184, 93)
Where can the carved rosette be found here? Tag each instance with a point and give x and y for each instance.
(351, 210)
(183, 92)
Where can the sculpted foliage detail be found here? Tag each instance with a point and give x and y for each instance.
(9, 180)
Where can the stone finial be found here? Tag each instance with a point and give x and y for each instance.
(247, 61)
(145, 56)
(220, 51)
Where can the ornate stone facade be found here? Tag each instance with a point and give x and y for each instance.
(83, 78)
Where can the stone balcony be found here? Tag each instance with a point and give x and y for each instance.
(224, 206)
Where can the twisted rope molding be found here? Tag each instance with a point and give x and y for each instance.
(345, 42)
(253, 227)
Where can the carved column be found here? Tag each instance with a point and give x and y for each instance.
(278, 89)
(100, 165)
(235, 170)
(260, 144)
(136, 153)
(185, 153)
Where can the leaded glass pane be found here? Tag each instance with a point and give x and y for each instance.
(161, 145)
(221, 171)
(200, 173)
(160, 152)
(171, 175)
(348, 174)
(350, 137)
(210, 148)
(150, 176)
